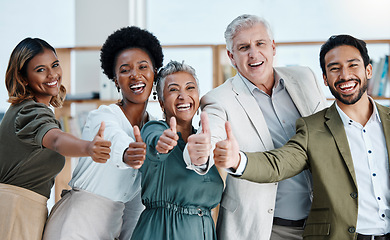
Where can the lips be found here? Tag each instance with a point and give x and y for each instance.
(138, 88)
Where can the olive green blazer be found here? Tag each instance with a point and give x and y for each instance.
(321, 145)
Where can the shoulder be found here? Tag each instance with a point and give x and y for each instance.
(110, 112)
(316, 118)
(294, 70)
(225, 91)
(154, 125)
(31, 110)
(296, 74)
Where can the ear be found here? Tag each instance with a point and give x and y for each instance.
(325, 79)
(369, 71)
(274, 47)
(231, 57)
(161, 105)
(116, 83)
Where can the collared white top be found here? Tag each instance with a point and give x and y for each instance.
(370, 159)
(114, 179)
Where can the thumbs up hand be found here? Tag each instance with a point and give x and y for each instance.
(226, 152)
(199, 145)
(134, 155)
(99, 149)
(168, 140)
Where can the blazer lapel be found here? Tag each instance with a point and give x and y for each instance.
(250, 106)
(336, 127)
(384, 114)
(295, 93)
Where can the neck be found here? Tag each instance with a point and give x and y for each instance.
(185, 128)
(266, 84)
(360, 111)
(135, 112)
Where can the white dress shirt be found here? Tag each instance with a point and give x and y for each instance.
(370, 159)
(114, 179)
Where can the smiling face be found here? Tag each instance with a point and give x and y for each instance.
(134, 73)
(44, 76)
(252, 54)
(346, 75)
(181, 97)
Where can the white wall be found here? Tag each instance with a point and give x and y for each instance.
(53, 22)
(204, 22)
(87, 22)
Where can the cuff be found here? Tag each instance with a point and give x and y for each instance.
(241, 168)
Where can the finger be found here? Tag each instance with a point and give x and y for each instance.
(172, 124)
(204, 119)
(101, 130)
(229, 131)
(137, 134)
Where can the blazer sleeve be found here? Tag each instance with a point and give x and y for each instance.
(217, 118)
(281, 163)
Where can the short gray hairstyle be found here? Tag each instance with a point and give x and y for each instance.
(171, 68)
(243, 22)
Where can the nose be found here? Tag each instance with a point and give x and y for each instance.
(133, 74)
(51, 73)
(252, 53)
(344, 73)
(181, 95)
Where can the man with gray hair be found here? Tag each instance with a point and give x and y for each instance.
(261, 103)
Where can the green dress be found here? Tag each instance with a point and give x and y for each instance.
(177, 200)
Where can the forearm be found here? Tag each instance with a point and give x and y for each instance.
(65, 144)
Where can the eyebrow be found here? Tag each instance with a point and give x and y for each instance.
(175, 84)
(39, 66)
(126, 64)
(336, 63)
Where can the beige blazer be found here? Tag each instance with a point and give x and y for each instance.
(321, 145)
(247, 208)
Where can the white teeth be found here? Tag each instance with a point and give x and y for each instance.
(344, 86)
(138, 85)
(256, 64)
(183, 107)
(51, 83)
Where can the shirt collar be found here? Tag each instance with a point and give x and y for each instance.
(347, 120)
(278, 85)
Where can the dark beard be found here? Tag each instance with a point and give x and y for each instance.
(353, 100)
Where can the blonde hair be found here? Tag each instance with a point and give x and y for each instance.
(16, 74)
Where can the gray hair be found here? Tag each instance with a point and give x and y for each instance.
(242, 22)
(171, 68)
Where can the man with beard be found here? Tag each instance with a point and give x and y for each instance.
(344, 146)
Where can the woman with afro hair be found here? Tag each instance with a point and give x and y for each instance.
(105, 199)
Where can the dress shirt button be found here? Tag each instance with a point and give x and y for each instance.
(353, 195)
(383, 215)
(379, 198)
(364, 130)
(270, 210)
(374, 174)
(369, 151)
(351, 229)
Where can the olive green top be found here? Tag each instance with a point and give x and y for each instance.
(24, 162)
